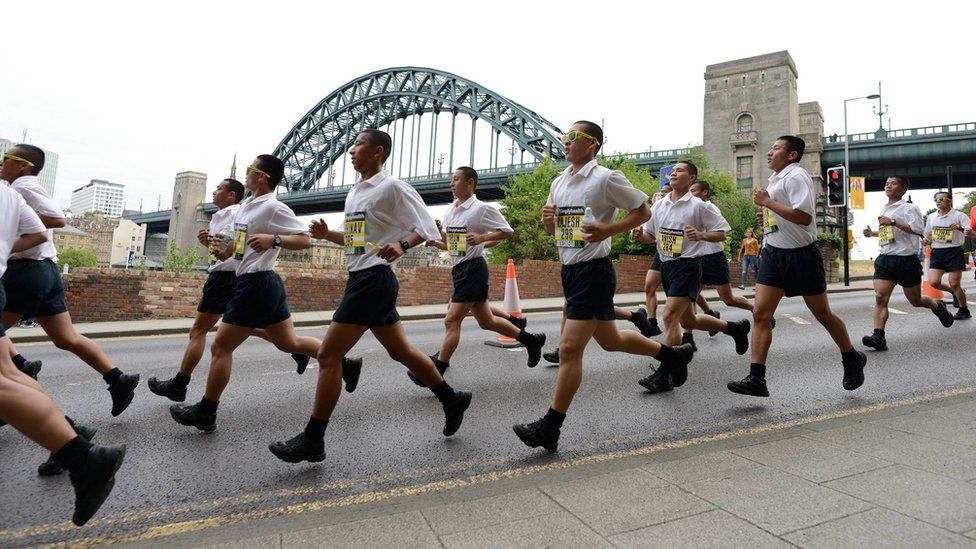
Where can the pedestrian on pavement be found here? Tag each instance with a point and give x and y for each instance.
(945, 231)
(749, 256)
(384, 217)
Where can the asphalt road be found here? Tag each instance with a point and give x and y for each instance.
(387, 434)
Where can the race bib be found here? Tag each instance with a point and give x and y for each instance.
(942, 234)
(240, 240)
(670, 242)
(569, 223)
(886, 234)
(354, 233)
(769, 222)
(457, 241)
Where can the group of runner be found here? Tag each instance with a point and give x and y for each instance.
(384, 217)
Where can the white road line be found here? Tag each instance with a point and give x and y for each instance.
(292, 371)
(896, 311)
(797, 319)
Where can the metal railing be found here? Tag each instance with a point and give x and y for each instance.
(966, 127)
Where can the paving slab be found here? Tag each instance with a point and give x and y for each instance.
(926, 496)
(712, 466)
(813, 460)
(479, 513)
(559, 529)
(618, 502)
(394, 531)
(713, 529)
(959, 428)
(878, 529)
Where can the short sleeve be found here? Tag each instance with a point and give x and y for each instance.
(493, 220)
(37, 198)
(28, 223)
(284, 221)
(413, 212)
(712, 219)
(620, 193)
(914, 220)
(799, 191)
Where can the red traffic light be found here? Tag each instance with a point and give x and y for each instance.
(834, 174)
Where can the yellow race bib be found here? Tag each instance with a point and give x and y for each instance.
(457, 241)
(886, 234)
(569, 223)
(670, 242)
(240, 240)
(769, 222)
(354, 233)
(942, 234)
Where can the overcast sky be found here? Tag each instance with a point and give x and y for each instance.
(134, 92)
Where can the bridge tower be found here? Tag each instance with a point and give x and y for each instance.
(186, 215)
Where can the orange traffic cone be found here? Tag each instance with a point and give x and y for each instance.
(927, 288)
(510, 305)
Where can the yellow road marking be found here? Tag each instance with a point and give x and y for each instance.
(182, 527)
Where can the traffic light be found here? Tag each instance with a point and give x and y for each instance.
(836, 187)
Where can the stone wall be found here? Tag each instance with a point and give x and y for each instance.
(116, 294)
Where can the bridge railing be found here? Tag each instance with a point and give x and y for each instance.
(903, 134)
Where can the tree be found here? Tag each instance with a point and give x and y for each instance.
(181, 259)
(77, 257)
(522, 207)
(642, 180)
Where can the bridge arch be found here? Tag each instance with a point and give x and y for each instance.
(383, 97)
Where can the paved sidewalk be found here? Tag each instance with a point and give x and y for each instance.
(129, 328)
(888, 475)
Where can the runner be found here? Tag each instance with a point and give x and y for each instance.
(580, 211)
(384, 217)
(682, 224)
(945, 231)
(469, 224)
(791, 265)
(899, 225)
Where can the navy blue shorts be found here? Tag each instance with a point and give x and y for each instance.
(796, 271)
(3, 301)
(34, 288)
(656, 263)
(258, 301)
(370, 298)
(947, 259)
(589, 287)
(682, 277)
(715, 269)
(904, 270)
(470, 281)
(217, 292)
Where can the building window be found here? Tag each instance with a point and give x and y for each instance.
(743, 80)
(743, 172)
(762, 77)
(744, 123)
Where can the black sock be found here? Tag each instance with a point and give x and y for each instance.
(849, 355)
(444, 393)
(19, 361)
(758, 370)
(73, 455)
(665, 354)
(181, 380)
(731, 329)
(208, 406)
(71, 422)
(113, 376)
(879, 333)
(687, 337)
(554, 418)
(527, 339)
(966, 308)
(315, 429)
(653, 321)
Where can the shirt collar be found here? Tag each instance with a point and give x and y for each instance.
(24, 179)
(467, 203)
(784, 172)
(686, 197)
(263, 198)
(585, 170)
(375, 179)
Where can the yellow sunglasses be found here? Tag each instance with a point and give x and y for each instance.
(256, 170)
(572, 135)
(19, 159)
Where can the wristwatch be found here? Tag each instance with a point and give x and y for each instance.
(405, 245)
(277, 241)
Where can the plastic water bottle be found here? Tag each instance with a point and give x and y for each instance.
(588, 217)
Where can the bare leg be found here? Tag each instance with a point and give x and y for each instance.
(915, 297)
(575, 335)
(767, 299)
(732, 300)
(882, 295)
(626, 341)
(29, 409)
(488, 321)
(339, 339)
(283, 336)
(64, 336)
(229, 337)
(674, 311)
(820, 308)
(452, 329)
(202, 325)
(652, 280)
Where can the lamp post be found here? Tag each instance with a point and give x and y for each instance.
(847, 190)
(511, 151)
(440, 163)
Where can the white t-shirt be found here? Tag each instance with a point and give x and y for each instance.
(793, 187)
(669, 218)
(894, 241)
(261, 215)
(939, 233)
(471, 216)
(16, 218)
(602, 190)
(382, 210)
(37, 198)
(222, 223)
(715, 247)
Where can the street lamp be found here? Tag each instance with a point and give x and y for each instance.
(847, 189)
(512, 152)
(440, 163)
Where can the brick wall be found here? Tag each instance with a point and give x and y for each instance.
(116, 294)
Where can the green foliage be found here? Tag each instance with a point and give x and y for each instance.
(736, 206)
(830, 238)
(181, 259)
(522, 206)
(970, 202)
(643, 180)
(77, 257)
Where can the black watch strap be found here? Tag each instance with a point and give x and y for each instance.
(405, 245)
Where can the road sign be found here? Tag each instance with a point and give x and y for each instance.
(666, 175)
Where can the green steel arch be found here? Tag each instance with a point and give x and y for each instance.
(380, 98)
